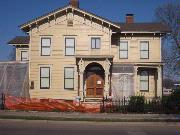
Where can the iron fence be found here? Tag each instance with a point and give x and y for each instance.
(129, 105)
(2, 101)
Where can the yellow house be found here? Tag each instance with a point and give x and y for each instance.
(76, 54)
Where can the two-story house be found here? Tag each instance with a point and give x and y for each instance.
(73, 53)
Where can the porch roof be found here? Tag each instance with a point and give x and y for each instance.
(94, 56)
(123, 68)
(149, 64)
(20, 40)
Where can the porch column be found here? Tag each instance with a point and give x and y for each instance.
(107, 73)
(81, 91)
(106, 86)
(159, 82)
(81, 73)
(136, 89)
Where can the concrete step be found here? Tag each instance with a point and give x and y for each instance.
(93, 100)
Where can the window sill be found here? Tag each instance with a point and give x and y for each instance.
(44, 88)
(45, 55)
(69, 89)
(123, 58)
(144, 90)
(144, 58)
(69, 55)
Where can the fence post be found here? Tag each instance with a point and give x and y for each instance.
(124, 104)
(103, 105)
(2, 101)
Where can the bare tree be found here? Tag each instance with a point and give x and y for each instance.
(12, 54)
(168, 83)
(169, 14)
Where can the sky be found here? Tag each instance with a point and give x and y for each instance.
(16, 12)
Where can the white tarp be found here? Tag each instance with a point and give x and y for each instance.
(122, 85)
(122, 82)
(14, 79)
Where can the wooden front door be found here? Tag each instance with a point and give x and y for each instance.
(94, 86)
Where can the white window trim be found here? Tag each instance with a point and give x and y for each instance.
(139, 46)
(51, 46)
(39, 81)
(18, 56)
(96, 37)
(75, 77)
(64, 46)
(27, 55)
(140, 81)
(128, 42)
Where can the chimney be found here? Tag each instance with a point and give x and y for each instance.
(74, 3)
(129, 18)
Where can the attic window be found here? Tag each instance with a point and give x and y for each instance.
(70, 23)
(70, 19)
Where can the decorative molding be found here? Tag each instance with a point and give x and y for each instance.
(106, 64)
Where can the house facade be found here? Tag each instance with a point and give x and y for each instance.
(74, 54)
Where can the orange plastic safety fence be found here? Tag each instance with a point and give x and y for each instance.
(33, 104)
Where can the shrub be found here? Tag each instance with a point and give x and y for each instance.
(136, 104)
(172, 102)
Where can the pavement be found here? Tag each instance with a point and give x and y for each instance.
(43, 127)
(101, 117)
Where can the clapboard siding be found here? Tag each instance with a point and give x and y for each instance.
(82, 31)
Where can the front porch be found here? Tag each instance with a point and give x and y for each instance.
(94, 77)
(154, 77)
(136, 80)
(99, 77)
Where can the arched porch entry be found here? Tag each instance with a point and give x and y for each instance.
(94, 80)
(94, 76)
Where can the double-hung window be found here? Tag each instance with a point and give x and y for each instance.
(144, 80)
(95, 43)
(24, 55)
(44, 77)
(45, 46)
(69, 46)
(144, 50)
(123, 50)
(69, 78)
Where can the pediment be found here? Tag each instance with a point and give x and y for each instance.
(69, 12)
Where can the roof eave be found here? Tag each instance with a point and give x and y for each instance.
(104, 20)
(29, 23)
(146, 32)
(18, 44)
(26, 26)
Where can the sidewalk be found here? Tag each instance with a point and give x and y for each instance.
(104, 117)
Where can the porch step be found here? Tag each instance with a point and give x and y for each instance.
(93, 100)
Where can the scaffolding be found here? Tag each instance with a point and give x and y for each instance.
(14, 79)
